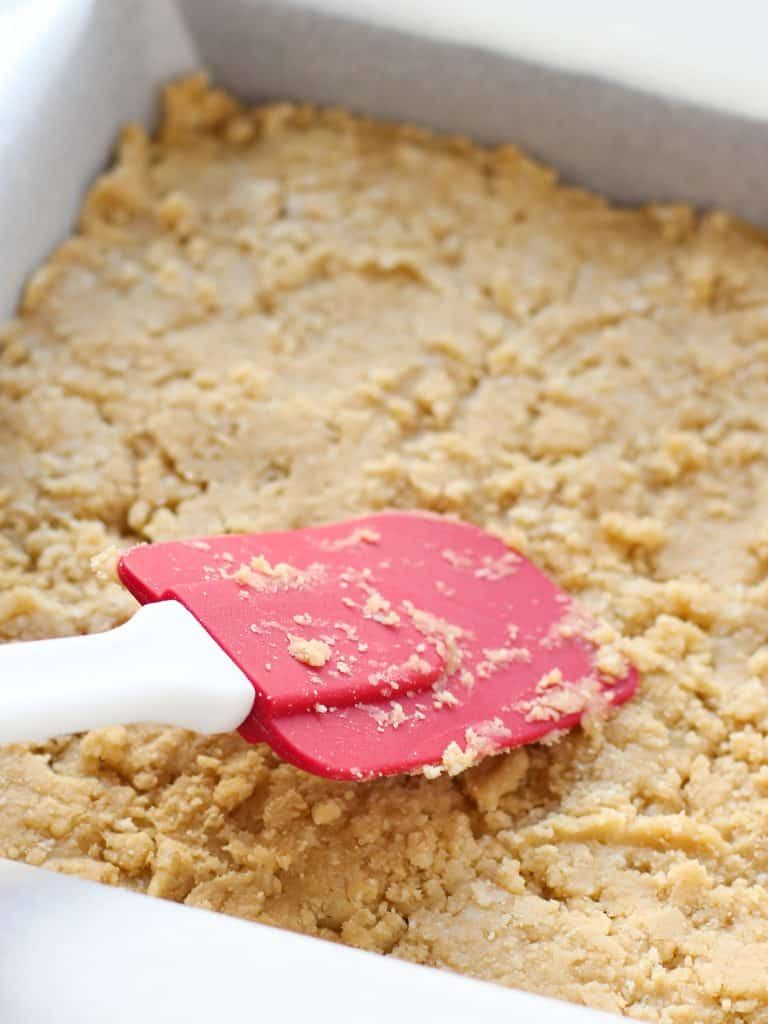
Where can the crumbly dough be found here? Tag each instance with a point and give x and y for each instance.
(311, 652)
(278, 317)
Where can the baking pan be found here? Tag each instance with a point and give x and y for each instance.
(72, 72)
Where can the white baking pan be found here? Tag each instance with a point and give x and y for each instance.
(669, 101)
(74, 952)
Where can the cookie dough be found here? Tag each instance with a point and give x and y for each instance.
(282, 316)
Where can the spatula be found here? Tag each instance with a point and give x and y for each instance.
(382, 644)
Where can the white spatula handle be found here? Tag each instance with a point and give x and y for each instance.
(161, 666)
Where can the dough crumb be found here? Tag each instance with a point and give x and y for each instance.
(311, 652)
(380, 610)
(326, 812)
(104, 565)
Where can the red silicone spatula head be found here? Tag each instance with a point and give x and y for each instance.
(388, 643)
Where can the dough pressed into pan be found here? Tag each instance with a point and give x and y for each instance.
(278, 317)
